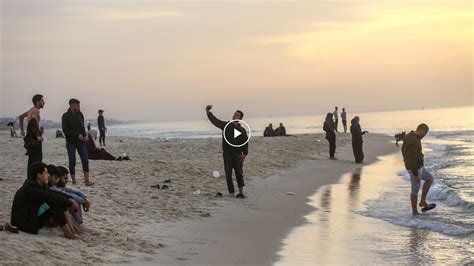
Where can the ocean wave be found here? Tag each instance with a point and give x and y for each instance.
(425, 221)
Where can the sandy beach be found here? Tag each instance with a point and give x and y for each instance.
(132, 222)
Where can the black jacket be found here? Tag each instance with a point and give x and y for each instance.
(73, 126)
(229, 135)
(27, 202)
(101, 122)
(31, 139)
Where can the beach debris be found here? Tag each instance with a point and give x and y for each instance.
(164, 187)
(197, 192)
(157, 186)
(219, 195)
(216, 174)
(318, 140)
(167, 181)
(206, 214)
(290, 193)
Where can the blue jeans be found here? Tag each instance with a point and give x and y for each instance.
(71, 152)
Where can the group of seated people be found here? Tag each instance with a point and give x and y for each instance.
(45, 200)
(270, 132)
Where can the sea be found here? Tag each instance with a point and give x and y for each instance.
(366, 217)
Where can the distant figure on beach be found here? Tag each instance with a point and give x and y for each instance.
(268, 131)
(234, 157)
(357, 141)
(59, 134)
(76, 138)
(102, 128)
(414, 161)
(95, 153)
(88, 126)
(11, 126)
(336, 118)
(33, 139)
(329, 128)
(280, 131)
(344, 119)
(35, 206)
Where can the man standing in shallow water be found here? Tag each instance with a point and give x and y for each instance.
(414, 161)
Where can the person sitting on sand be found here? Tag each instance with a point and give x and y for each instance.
(268, 131)
(57, 183)
(280, 131)
(95, 153)
(34, 205)
(233, 156)
(329, 127)
(414, 160)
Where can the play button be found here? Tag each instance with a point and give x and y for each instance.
(237, 133)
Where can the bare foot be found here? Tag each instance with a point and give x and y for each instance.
(415, 213)
(423, 204)
(88, 183)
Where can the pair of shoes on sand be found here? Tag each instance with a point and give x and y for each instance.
(157, 186)
(9, 228)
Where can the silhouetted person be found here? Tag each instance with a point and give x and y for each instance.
(336, 118)
(11, 126)
(357, 141)
(269, 131)
(344, 119)
(280, 131)
(102, 128)
(329, 128)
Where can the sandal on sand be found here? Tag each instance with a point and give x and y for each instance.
(167, 181)
(164, 187)
(10, 228)
(156, 186)
(240, 196)
(219, 195)
(429, 207)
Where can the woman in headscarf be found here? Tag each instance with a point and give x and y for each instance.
(329, 127)
(357, 141)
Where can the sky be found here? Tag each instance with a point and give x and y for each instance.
(165, 60)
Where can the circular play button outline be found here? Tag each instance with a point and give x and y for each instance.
(248, 137)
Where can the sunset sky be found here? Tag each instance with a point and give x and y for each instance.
(153, 60)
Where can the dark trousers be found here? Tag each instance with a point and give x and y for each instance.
(102, 137)
(232, 161)
(55, 212)
(332, 144)
(344, 123)
(35, 154)
(336, 123)
(71, 152)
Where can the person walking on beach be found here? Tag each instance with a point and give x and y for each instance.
(414, 161)
(329, 128)
(234, 157)
(33, 139)
(344, 119)
(76, 138)
(102, 128)
(357, 141)
(336, 118)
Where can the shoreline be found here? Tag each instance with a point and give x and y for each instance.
(134, 223)
(252, 231)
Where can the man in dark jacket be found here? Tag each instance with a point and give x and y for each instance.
(34, 204)
(413, 158)
(101, 126)
(76, 138)
(235, 154)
